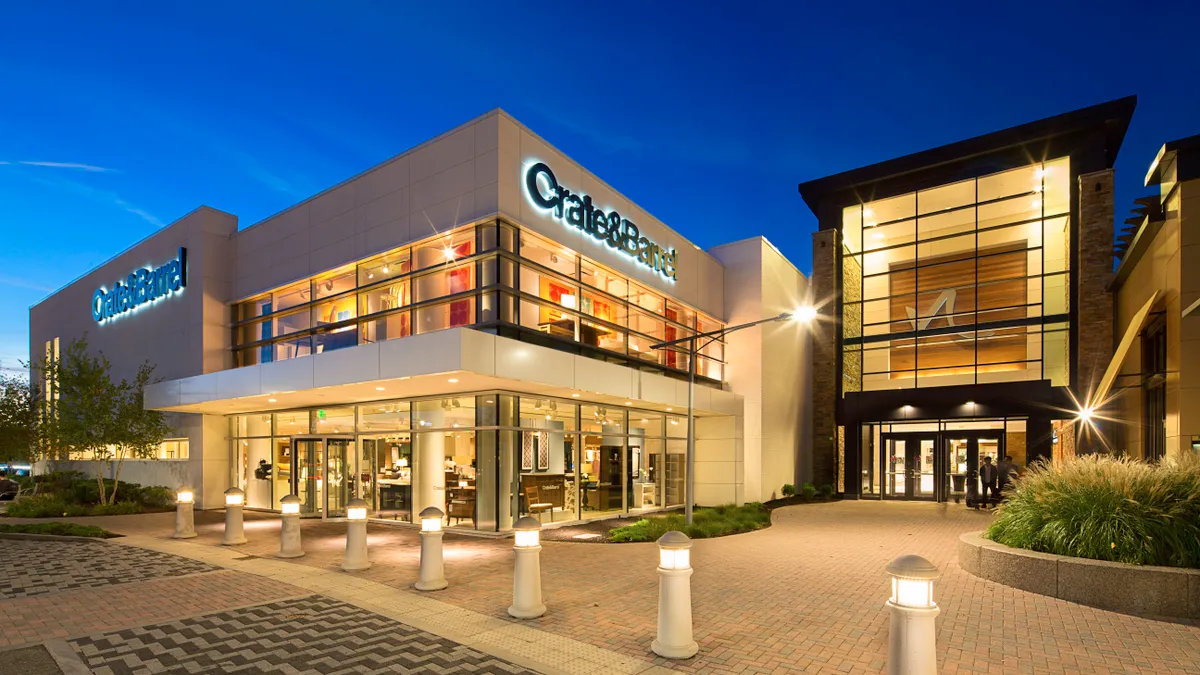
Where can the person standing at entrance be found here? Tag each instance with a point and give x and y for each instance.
(988, 475)
(1008, 471)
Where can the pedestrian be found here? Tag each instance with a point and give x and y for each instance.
(1008, 471)
(988, 475)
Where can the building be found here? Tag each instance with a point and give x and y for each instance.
(1157, 294)
(965, 292)
(468, 325)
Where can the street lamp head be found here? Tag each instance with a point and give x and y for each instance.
(431, 519)
(912, 581)
(356, 509)
(234, 497)
(805, 314)
(526, 533)
(674, 551)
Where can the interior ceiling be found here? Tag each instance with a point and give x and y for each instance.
(407, 387)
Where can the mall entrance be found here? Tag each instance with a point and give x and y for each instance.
(931, 461)
(321, 474)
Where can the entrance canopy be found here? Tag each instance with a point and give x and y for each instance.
(451, 361)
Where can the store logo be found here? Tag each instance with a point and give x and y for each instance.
(943, 303)
(577, 211)
(140, 288)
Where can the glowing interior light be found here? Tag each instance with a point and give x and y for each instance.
(674, 558)
(526, 538)
(290, 508)
(912, 592)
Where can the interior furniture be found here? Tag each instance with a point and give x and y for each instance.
(461, 504)
(534, 503)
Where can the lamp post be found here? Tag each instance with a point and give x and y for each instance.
(527, 570)
(289, 529)
(356, 536)
(185, 514)
(805, 314)
(912, 648)
(674, 639)
(235, 534)
(432, 574)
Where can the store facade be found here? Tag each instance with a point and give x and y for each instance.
(968, 309)
(468, 325)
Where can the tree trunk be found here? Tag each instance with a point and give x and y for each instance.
(117, 475)
(99, 463)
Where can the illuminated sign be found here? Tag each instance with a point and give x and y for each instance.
(577, 211)
(140, 288)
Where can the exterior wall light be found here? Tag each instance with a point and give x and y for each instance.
(235, 533)
(432, 574)
(527, 570)
(1085, 414)
(674, 640)
(805, 314)
(289, 528)
(356, 536)
(185, 514)
(912, 649)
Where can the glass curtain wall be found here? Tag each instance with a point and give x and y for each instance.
(492, 272)
(483, 459)
(966, 283)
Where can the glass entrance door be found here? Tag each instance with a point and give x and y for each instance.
(322, 474)
(308, 462)
(910, 466)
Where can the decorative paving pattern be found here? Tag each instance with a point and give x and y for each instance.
(36, 567)
(314, 634)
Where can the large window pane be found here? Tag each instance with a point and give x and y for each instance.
(384, 298)
(445, 315)
(444, 249)
(598, 276)
(548, 254)
(333, 284)
(384, 267)
(296, 294)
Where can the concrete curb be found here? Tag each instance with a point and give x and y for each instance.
(1130, 589)
(50, 537)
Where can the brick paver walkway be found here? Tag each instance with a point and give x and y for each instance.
(805, 595)
(34, 567)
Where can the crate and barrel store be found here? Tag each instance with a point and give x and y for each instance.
(468, 325)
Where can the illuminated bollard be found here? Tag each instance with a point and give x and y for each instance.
(527, 570)
(185, 514)
(432, 575)
(912, 648)
(234, 532)
(356, 536)
(289, 528)
(674, 639)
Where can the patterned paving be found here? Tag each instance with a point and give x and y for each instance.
(314, 634)
(29, 567)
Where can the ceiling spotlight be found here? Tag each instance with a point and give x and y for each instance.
(574, 395)
(453, 380)
(270, 400)
(448, 253)
(385, 269)
(379, 388)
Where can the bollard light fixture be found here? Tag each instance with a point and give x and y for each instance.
(185, 495)
(289, 505)
(912, 582)
(234, 497)
(526, 532)
(356, 509)
(431, 519)
(674, 551)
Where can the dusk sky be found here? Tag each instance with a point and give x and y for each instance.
(118, 118)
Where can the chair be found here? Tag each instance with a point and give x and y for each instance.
(535, 505)
(461, 505)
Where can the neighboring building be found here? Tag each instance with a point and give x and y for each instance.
(467, 325)
(1158, 400)
(964, 292)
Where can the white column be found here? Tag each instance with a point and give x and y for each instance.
(430, 460)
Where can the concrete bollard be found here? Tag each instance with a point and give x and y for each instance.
(527, 570)
(674, 639)
(185, 514)
(289, 528)
(356, 536)
(432, 574)
(912, 645)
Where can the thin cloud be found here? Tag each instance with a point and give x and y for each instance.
(17, 282)
(103, 196)
(68, 165)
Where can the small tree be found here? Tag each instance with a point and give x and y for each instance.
(138, 432)
(90, 415)
(18, 419)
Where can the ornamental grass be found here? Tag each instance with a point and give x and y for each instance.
(1107, 508)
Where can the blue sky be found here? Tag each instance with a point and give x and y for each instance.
(116, 118)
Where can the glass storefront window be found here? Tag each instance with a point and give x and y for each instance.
(388, 460)
(384, 298)
(972, 257)
(450, 412)
(334, 420)
(292, 296)
(646, 299)
(390, 327)
(547, 488)
(597, 276)
(386, 266)
(445, 315)
(446, 475)
(444, 249)
(548, 254)
(387, 416)
(333, 284)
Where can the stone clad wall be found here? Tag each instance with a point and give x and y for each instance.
(1094, 303)
(825, 357)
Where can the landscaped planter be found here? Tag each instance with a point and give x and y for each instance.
(1132, 589)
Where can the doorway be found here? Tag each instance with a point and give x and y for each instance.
(966, 450)
(322, 476)
(910, 465)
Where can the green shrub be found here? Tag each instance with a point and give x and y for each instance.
(1107, 508)
(59, 529)
(45, 506)
(827, 491)
(808, 491)
(118, 509)
(706, 522)
(156, 497)
(788, 490)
